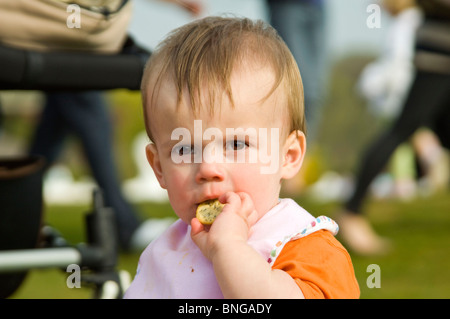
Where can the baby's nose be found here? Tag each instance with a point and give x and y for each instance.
(210, 172)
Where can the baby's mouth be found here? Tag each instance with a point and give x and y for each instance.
(211, 199)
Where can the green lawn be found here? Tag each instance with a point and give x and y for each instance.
(418, 266)
(419, 262)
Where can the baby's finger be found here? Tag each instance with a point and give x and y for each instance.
(231, 199)
(196, 226)
(248, 209)
(198, 233)
(246, 203)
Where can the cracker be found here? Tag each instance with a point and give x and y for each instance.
(208, 211)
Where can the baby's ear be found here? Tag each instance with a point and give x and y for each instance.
(294, 151)
(153, 158)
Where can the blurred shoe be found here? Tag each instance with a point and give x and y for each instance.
(148, 231)
(439, 174)
(359, 236)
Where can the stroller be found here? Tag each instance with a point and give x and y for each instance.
(22, 233)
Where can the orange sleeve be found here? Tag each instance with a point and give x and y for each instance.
(320, 265)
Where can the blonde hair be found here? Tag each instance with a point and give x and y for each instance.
(205, 52)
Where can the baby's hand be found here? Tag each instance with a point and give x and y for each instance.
(231, 226)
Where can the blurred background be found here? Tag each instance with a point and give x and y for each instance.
(415, 217)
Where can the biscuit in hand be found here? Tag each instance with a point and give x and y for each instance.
(208, 211)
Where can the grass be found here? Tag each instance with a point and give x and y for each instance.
(417, 267)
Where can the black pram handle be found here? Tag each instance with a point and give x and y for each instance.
(22, 69)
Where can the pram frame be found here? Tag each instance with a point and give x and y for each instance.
(31, 70)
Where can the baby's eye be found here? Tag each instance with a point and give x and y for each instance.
(236, 145)
(182, 150)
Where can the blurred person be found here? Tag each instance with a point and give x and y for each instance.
(385, 83)
(85, 115)
(426, 105)
(301, 24)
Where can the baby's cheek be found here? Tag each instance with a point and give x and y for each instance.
(179, 200)
(261, 187)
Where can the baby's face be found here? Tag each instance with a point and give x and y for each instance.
(239, 149)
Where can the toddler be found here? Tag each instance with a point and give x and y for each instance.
(223, 107)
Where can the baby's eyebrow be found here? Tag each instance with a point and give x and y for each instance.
(165, 145)
(169, 143)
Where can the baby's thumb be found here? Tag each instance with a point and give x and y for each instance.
(198, 233)
(252, 218)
